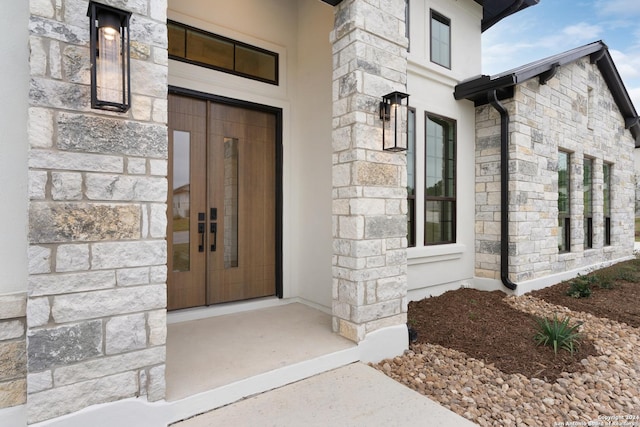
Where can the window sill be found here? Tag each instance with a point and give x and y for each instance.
(429, 254)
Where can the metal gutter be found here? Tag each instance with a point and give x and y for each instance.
(504, 189)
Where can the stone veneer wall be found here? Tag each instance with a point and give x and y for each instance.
(13, 351)
(573, 112)
(369, 185)
(96, 318)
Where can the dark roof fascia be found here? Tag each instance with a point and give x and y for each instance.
(476, 89)
(493, 11)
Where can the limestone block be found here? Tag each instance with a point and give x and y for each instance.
(37, 185)
(158, 221)
(76, 64)
(63, 345)
(341, 175)
(136, 166)
(72, 258)
(39, 381)
(126, 333)
(366, 313)
(158, 167)
(42, 8)
(40, 127)
(391, 288)
(158, 10)
(38, 311)
(13, 359)
(72, 282)
(74, 307)
(37, 57)
(376, 174)
(128, 254)
(141, 107)
(66, 186)
(157, 324)
(13, 305)
(158, 274)
(351, 227)
(41, 159)
(63, 400)
(133, 276)
(160, 107)
(385, 226)
(39, 259)
(13, 393)
(367, 206)
(109, 365)
(68, 222)
(156, 383)
(10, 329)
(149, 79)
(148, 31)
(106, 135)
(140, 51)
(59, 94)
(55, 61)
(125, 188)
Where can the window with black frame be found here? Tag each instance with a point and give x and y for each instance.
(440, 39)
(606, 194)
(587, 191)
(411, 177)
(440, 181)
(564, 212)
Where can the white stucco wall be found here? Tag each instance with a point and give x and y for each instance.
(435, 269)
(298, 30)
(14, 87)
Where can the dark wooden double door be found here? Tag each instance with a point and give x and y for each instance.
(222, 202)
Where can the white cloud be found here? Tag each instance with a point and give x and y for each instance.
(618, 7)
(627, 64)
(582, 32)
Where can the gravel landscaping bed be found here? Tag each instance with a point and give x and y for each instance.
(604, 391)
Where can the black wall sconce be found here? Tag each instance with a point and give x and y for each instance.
(394, 121)
(110, 58)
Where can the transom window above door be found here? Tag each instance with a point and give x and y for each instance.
(198, 47)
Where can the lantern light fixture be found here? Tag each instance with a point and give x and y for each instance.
(393, 114)
(110, 57)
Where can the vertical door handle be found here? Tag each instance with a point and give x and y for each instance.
(214, 231)
(201, 232)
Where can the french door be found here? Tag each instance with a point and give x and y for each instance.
(222, 220)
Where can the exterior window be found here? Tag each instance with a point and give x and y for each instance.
(411, 178)
(440, 183)
(564, 222)
(440, 40)
(606, 193)
(587, 188)
(406, 23)
(194, 46)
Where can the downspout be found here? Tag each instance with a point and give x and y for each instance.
(504, 189)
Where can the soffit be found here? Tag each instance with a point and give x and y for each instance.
(493, 11)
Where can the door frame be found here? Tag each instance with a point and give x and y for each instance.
(277, 112)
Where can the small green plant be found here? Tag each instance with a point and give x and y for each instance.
(580, 287)
(557, 334)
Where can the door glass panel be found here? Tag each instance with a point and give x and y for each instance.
(180, 202)
(230, 202)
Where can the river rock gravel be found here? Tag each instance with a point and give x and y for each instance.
(606, 393)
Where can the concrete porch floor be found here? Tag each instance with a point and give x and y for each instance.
(210, 353)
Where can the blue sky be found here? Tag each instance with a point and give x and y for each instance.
(554, 26)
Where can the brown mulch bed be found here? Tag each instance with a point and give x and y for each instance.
(485, 327)
(621, 303)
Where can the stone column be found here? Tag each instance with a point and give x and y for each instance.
(369, 185)
(96, 318)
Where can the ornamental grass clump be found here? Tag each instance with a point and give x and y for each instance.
(557, 334)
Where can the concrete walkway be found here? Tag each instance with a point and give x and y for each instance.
(354, 395)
